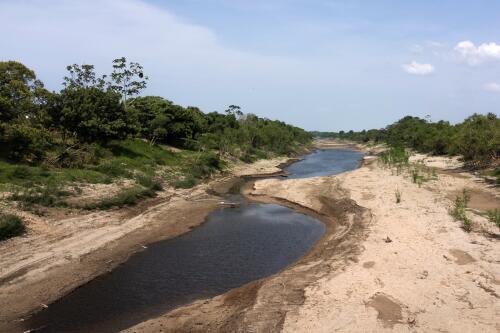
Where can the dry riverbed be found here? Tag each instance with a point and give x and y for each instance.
(60, 252)
(381, 265)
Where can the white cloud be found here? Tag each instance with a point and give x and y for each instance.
(475, 55)
(416, 68)
(492, 86)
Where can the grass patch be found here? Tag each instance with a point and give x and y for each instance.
(494, 216)
(459, 210)
(127, 197)
(48, 194)
(10, 226)
(131, 159)
(395, 157)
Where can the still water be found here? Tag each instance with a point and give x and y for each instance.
(234, 246)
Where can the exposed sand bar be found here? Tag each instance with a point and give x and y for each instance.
(381, 266)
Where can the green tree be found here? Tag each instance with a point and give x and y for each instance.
(127, 78)
(21, 94)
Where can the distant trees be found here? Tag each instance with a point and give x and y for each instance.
(95, 109)
(477, 139)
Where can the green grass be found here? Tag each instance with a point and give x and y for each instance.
(127, 197)
(459, 210)
(132, 159)
(395, 156)
(494, 216)
(10, 226)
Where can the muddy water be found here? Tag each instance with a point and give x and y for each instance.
(234, 246)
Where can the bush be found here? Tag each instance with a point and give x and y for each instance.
(113, 168)
(459, 210)
(47, 194)
(494, 216)
(186, 182)
(127, 197)
(395, 156)
(149, 182)
(10, 226)
(21, 142)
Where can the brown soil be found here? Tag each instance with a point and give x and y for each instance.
(480, 199)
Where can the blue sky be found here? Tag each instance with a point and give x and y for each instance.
(318, 64)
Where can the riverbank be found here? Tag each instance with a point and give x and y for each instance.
(60, 254)
(381, 265)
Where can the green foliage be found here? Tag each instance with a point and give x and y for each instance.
(494, 216)
(10, 226)
(477, 139)
(127, 78)
(459, 210)
(92, 114)
(21, 142)
(96, 130)
(127, 197)
(48, 194)
(21, 94)
(395, 157)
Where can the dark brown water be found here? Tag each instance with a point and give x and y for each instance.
(235, 246)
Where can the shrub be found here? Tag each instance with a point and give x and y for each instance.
(47, 194)
(459, 210)
(186, 182)
(10, 226)
(149, 182)
(127, 197)
(21, 142)
(113, 168)
(494, 216)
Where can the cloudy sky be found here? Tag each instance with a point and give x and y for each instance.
(318, 64)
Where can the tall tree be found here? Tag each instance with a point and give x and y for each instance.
(127, 78)
(21, 93)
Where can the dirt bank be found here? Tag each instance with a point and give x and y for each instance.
(60, 254)
(381, 265)
(419, 270)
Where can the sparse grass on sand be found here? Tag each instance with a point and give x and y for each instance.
(459, 210)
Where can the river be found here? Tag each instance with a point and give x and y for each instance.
(234, 246)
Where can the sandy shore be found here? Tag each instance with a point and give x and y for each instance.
(59, 254)
(381, 266)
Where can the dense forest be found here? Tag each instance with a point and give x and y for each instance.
(477, 138)
(99, 129)
(95, 110)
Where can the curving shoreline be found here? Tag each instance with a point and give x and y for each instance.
(353, 278)
(42, 267)
(261, 306)
(381, 266)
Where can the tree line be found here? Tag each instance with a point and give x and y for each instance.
(92, 110)
(477, 138)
